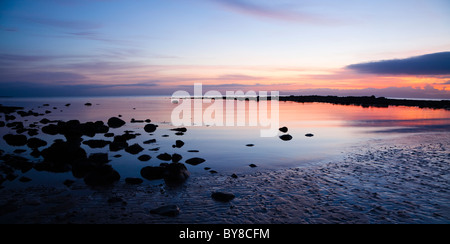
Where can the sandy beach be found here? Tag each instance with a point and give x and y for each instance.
(399, 181)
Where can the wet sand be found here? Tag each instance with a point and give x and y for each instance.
(405, 180)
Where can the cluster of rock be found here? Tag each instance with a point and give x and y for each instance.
(69, 156)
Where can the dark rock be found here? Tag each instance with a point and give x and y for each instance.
(136, 121)
(207, 168)
(88, 104)
(62, 152)
(250, 145)
(97, 143)
(176, 157)
(213, 172)
(117, 146)
(102, 176)
(19, 151)
(2, 124)
(253, 166)
(24, 179)
(115, 122)
(33, 132)
(153, 173)
(150, 128)
(99, 158)
(175, 174)
(36, 143)
(222, 196)
(148, 121)
(169, 211)
(10, 117)
(195, 161)
(68, 105)
(68, 183)
(165, 136)
(109, 135)
(178, 144)
(179, 133)
(286, 137)
(144, 157)
(154, 149)
(35, 153)
(164, 157)
(234, 176)
(150, 141)
(44, 121)
(179, 129)
(51, 129)
(134, 181)
(284, 129)
(15, 140)
(309, 135)
(17, 163)
(134, 149)
(193, 151)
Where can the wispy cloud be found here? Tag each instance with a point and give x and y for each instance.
(65, 24)
(273, 12)
(429, 64)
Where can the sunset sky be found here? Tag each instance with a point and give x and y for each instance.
(392, 48)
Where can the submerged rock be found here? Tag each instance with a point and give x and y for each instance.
(150, 141)
(222, 196)
(179, 129)
(176, 157)
(115, 122)
(144, 158)
(15, 140)
(195, 161)
(150, 128)
(169, 211)
(102, 176)
(286, 137)
(134, 149)
(164, 157)
(175, 174)
(178, 144)
(97, 143)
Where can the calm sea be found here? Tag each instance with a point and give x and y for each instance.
(226, 149)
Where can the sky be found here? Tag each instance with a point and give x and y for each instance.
(391, 48)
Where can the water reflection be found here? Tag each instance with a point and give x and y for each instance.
(335, 127)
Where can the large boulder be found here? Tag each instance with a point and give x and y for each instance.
(175, 174)
(150, 128)
(15, 140)
(102, 176)
(115, 122)
(34, 143)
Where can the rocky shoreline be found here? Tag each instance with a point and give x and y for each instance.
(404, 181)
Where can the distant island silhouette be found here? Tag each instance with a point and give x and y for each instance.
(369, 101)
(363, 101)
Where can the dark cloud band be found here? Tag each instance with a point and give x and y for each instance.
(429, 64)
